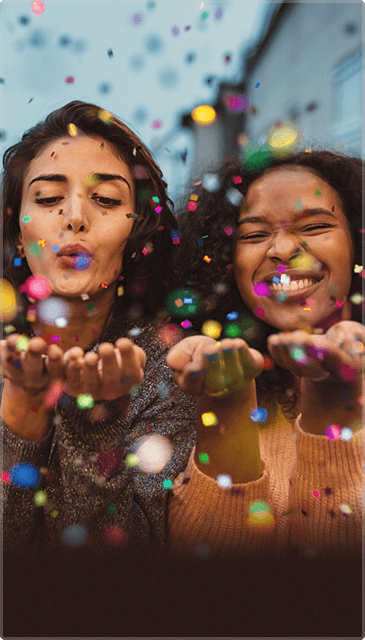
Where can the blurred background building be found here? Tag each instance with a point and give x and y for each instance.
(305, 69)
(257, 64)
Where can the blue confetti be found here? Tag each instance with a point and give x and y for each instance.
(24, 475)
(258, 415)
(232, 316)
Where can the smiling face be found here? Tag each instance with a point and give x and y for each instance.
(292, 228)
(80, 205)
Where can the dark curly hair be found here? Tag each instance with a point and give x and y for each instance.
(146, 277)
(209, 230)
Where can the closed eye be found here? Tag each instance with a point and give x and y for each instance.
(318, 226)
(103, 201)
(253, 236)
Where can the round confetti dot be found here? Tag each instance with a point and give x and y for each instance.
(8, 301)
(175, 31)
(40, 498)
(301, 262)
(115, 535)
(37, 7)
(24, 475)
(38, 287)
(209, 419)
(261, 289)
(259, 312)
(233, 315)
(224, 480)
(204, 458)
(137, 18)
(333, 432)
(153, 453)
(53, 394)
(111, 508)
(135, 331)
(281, 296)
(85, 401)
(22, 344)
(74, 536)
(346, 433)
(51, 309)
(258, 415)
(131, 460)
(157, 124)
(212, 328)
(236, 103)
(204, 115)
(211, 182)
(298, 355)
(356, 298)
(167, 483)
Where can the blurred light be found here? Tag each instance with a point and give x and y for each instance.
(85, 401)
(258, 415)
(346, 433)
(212, 328)
(8, 301)
(40, 498)
(236, 103)
(53, 394)
(209, 419)
(211, 182)
(37, 7)
(283, 138)
(234, 197)
(38, 287)
(204, 115)
(115, 535)
(74, 536)
(153, 453)
(224, 480)
(51, 309)
(24, 475)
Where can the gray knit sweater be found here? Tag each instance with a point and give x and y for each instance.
(88, 482)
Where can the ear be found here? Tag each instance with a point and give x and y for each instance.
(20, 246)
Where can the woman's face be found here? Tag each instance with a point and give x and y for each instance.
(292, 222)
(76, 192)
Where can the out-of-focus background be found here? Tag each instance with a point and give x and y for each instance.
(262, 67)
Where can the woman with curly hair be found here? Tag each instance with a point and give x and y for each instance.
(86, 207)
(275, 253)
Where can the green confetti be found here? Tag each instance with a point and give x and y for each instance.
(204, 458)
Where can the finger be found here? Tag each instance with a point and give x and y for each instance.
(133, 361)
(92, 377)
(74, 377)
(109, 364)
(233, 370)
(54, 362)
(216, 379)
(33, 362)
(72, 354)
(187, 350)
(190, 381)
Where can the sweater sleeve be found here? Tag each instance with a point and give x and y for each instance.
(205, 518)
(325, 495)
(20, 518)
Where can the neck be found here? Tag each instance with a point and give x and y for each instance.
(85, 321)
(344, 313)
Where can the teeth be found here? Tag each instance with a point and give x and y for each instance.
(294, 285)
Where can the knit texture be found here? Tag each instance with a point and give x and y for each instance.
(88, 481)
(311, 484)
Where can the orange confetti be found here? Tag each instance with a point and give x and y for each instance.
(207, 259)
(104, 285)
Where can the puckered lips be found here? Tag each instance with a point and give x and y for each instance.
(70, 255)
(302, 283)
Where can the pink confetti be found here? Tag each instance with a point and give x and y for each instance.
(333, 432)
(37, 7)
(186, 324)
(192, 206)
(158, 209)
(70, 79)
(237, 179)
(228, 231)
(338, 304)
(144, 251)
(347, 373)
(261, 289)
(316, 494)
(281, 268)
(53, 394)
(259, 312)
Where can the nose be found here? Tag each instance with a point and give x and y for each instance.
(284, 247)
(74, 214)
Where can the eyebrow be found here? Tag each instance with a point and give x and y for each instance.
(59, 177)
(309, 212)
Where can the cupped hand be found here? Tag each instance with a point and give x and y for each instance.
(107, 375)
(201, 365)
(338, 353)
(31, 366)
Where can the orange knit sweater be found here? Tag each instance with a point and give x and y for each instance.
(311, 484)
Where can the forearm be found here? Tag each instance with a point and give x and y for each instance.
(233, 443)
(25, 415)
(329, 402)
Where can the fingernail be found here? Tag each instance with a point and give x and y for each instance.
(228, 351)
(211, 357)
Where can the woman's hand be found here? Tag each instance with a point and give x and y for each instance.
(26, 365)
(202, 365)
(337, 354)
(107, 375)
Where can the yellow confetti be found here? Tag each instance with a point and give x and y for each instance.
(8, 302)
(72, 129)
(301, 262)
(41, 242)
(91, 179)
(105, 116)
(194, 196)
(209, 419)
(120, 291)
(207, 259)
(212, 328)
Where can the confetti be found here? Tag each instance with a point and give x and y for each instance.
(357, 298)
(153, 453)
(17, 262)
(212, 328)
(72, 129)
(192, 206)
(85, 401)
(261, 289)
(52, 308)
(74, 536)
(358, 268)
(104, 284)
(157, 124)
(233, 315)
(24, 475)
(204, 115)
(115, 536)
(41, 242)
(207, 259)
(258, 415)
(257, 85)
(186, 324)
(234, 197)
(158, 209)
(137, 18)
(209, 419)
(37, 7)
(70, 79)
(40, 498)
(85, 296)
(237, 179)
(53, 394)
(204, 458)
(175, 237)
(316, 494)
(110, 53)
(346, 433)
(259, 312)
(224, 480)
(333, 432)
(120, 291)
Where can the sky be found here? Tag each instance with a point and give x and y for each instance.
(146, 62)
